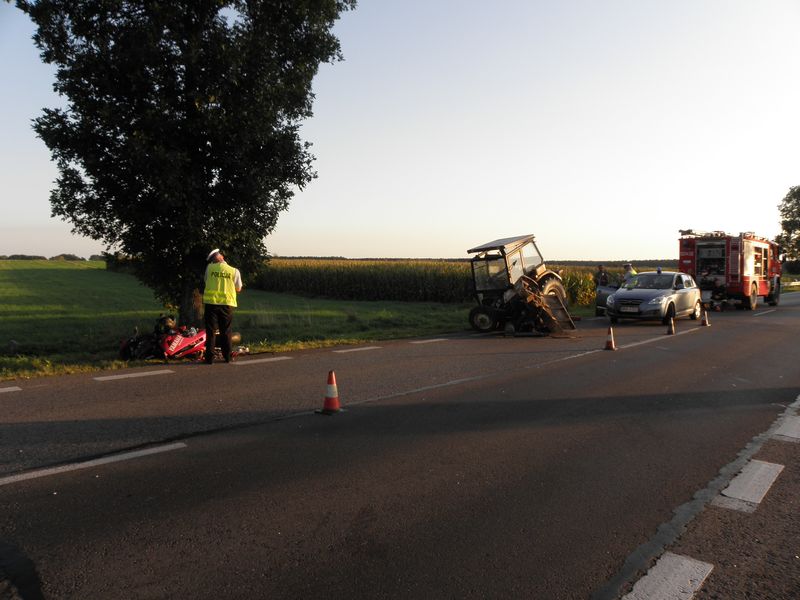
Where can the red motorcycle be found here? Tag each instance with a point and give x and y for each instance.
(170, 341)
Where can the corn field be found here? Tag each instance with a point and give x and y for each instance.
(397, 280)
(579, 284)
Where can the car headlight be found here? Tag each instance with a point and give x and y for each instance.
(610, 301)
(658, 300)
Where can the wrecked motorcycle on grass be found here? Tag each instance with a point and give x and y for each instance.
(170, 341)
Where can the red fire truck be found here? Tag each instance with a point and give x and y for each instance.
(733, 269)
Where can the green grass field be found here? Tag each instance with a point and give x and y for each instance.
(61, 317)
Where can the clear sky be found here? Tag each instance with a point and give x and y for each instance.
(601, 127)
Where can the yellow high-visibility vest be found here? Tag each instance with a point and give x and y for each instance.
(220, 285)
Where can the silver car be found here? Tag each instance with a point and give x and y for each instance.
(655, 295)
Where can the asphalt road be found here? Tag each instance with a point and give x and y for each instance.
(463, 467)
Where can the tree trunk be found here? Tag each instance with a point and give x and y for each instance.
(190, 312)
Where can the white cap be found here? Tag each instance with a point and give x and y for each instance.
(212, 254)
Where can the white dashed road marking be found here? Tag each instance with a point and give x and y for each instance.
(748, 488)
(132, 375)
(674, 577)
(357, 349)
(256, 361)
(429, 341)
(10, 389)
(790, 428)
(655, 339)
(90, 463)
(763, 312)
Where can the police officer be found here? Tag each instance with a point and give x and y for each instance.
(629, 273)
(223, 282)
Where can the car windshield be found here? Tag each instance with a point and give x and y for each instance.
(651, 281)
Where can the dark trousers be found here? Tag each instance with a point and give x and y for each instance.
(218, 318)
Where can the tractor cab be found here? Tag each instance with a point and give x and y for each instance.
(498, 265)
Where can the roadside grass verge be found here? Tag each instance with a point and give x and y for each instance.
(67, 317)
(59, 317)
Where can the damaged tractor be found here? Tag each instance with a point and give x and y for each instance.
(515, 291)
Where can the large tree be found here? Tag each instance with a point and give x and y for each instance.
(181, 127)
(789, 238)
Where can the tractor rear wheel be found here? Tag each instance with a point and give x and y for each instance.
(553, 287)
(483, 319)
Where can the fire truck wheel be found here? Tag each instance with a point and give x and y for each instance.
(775, 297)
(698, 309)
(752, 301)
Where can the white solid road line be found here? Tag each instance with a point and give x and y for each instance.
(132, 375)
(357, 349)
(256, 361)
(746, 491)
(763, 312)
(429, 341)
(674, 577)
(90, 463)
(10, 389)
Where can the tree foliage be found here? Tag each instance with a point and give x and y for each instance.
(789, 238)
(181, 130)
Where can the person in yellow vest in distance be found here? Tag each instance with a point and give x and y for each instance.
(628, 273)
(223, 282)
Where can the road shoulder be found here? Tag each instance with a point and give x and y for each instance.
(755, 555)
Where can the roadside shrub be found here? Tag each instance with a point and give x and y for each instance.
(119, 263)
(66, 257)
(791, 267)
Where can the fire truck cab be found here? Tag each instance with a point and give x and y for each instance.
(732, 269)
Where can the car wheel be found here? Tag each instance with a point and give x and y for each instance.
(698, 309)
(482, 319)
(599, 312)
(752, 301)
(670, 314)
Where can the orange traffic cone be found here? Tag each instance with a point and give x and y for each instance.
(704, 321)
(331, 404)
(610, 340)
(671, 326)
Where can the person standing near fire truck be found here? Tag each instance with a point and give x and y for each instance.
(223, 283)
